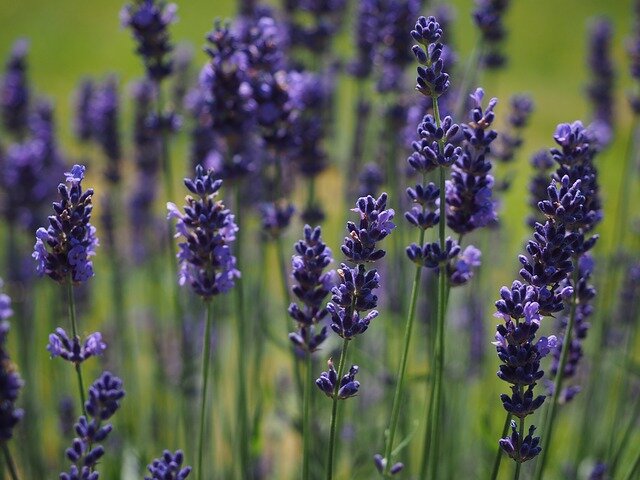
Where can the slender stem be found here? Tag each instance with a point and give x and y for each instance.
(634, 468)
(498, 459)
(241, 325)
(334, 410)
(306, 418)
(549, 423)
(624, 442)
(395, 410)
(206, 354)
(470, 74)
(311, 192)
(13, 472)
(74, 328)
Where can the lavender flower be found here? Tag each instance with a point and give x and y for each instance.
(82, 125)
(600, 89)
(149, 21)
(434, 149)
(312, 257)
(395, 18)
(366, 38)
(85, 452)
(276, 217)
(375, 224)
(64, 249)
(541, 162)
(370, 180)
(488, 16)
(348, 386)
(432, 80)
(206, 261)
(14, 91)
(103, 113)
(10, 380)
(469, 192)
(522, 306)
(168, 467)
(60, 345)
(510, 140)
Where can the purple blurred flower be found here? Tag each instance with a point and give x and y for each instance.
(72, 350)
(168, 467)
(14, 90)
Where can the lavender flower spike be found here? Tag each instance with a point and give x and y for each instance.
(206, 261)
(149, 21)
(11, 382)
(85, 452)
(168, 467)
(60, 345)
(14, 91)
(375, 224)
(64, 248)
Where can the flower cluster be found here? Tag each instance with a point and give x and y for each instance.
(14, 91)
(103, 114)
(168, 467)
(469, 192)
(601, 86)
(85, 452)
(545, 270)
(510, 140)
(488, 16)
(206, 261)
(578, 146)
(313, 285)
(353, 301)
(432, 80)
(9, 378)
(72, 350)
(149, 21)
(348, 386)
(63, 250)
(375, 224)
(366, 37)
(542, 163)
(276, 217)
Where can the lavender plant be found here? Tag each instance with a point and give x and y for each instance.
(206, 261)
(85, 452)
(63, 252)
(351, 298)
(168, 467)
(15, 94)
(313, 285)
(11, 384)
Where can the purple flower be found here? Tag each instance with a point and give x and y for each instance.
(521, 449)
(375, 225)
(103, 115)
(63, 250)
(461, 271)
(313, 285)
(72, 350)
(168, 467)
(149, 21)
(11, 383)
(276, 217)
(432, 81)
(348, 386)
(14, 90)
(85, 452)
(488, 17)
(601, 86)
(510, 140)
(206, 261)
(82, 124)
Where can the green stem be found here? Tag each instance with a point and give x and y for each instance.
(13, 472)
(72, 316)
(549, 423)
(395, 410)
(334, 410)
(634, 468)
(205, 377)
(498, 459)
(244, 437)
(442, 302)
(306, 418)
(624, 442)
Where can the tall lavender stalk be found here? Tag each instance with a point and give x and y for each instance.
(206, 261)
(63, 251)
(577, 148)
(313, 285)
(353, 296)
(11, 384)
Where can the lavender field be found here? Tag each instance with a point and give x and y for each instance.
(320, 239)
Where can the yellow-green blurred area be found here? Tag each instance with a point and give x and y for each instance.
(547, 58)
